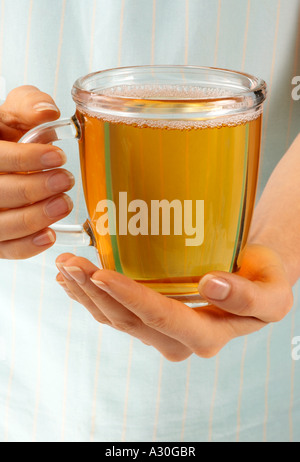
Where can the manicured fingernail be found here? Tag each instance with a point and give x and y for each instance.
(101, 285)
(59, 206)
(60, 268)
(53, 159)
(214, 288)
(76, 273)
(44, 238)
(40, 107)
(60, 181)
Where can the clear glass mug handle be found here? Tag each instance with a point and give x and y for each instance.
(66, 235)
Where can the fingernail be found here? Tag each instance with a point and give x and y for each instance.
(101, 285)
(40, 107)
(61, 269)
(61, 181)
(44, 238)
(53, 159)
(58, 206)
(214, 288)
(76, 273)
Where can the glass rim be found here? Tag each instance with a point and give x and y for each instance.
(242, 92)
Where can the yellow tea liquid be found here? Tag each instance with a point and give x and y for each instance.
(213, 164)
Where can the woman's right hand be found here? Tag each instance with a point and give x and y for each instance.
(29, 202)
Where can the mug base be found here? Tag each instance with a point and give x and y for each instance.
(186, 293)
(190, 300)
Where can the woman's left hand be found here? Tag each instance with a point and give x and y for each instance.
(241, 303)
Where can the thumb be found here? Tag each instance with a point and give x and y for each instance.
(26, 106)
(268, 300)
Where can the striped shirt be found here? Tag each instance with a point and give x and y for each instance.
(63, 377)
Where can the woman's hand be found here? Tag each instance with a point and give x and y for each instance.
(241, 303)
(30, 199)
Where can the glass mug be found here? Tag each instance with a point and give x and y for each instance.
(169, 164)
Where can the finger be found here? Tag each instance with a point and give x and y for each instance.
(26, 106)
(27, 247)
(204, 332)
(268, 296)
(15, 157)
(75, 291)
(18, 223)
(20, 190)
(267, 301)
(117, 315)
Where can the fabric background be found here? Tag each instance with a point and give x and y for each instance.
(62, 376)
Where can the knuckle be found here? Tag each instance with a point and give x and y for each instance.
(25, 193)
(157, 322)
(27, 223)
(161, 320)
(18, 161)
(131, 326)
